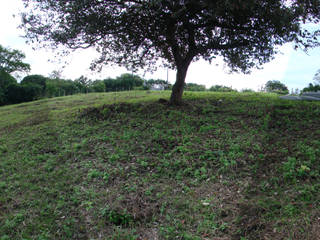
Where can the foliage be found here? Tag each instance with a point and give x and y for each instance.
(5, 80)
(125, 82)
(162, 84)
(311, 88)
(195, 87)
(276, 86)
(135, 34)
(18, 93)
(247, 90)
(56, 87)
(36, 79)
(11, 60)
(83, 84)
(98, 86)
(127, 166)
(61, 87)
(220, 88)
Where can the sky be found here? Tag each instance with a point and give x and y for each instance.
(295, 69)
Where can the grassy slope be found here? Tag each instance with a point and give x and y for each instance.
(223, 166)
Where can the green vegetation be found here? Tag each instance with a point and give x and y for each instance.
(11, 60)
(275, 86)
(127, 166)
(138, 34)
(312, 88)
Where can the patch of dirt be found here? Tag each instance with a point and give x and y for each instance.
(135, 206)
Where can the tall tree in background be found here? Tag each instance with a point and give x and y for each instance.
(137, 33)
(12, 61)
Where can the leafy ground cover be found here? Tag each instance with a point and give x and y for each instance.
(127, 166)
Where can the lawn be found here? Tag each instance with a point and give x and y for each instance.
(127, 166)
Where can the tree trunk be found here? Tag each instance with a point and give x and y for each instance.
(177, 89)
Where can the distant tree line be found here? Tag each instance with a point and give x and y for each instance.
(33, 87)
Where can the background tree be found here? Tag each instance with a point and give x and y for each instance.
(83, 83)
(5, 81)
(195, 87)
(162, 84)
(37, 80)
(312, 88)
(11, 61)
(220, 88)
(136, 33)
(98, 86)
(276, 86)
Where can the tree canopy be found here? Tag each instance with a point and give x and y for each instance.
(276, 87)
(138, 33)
(11, 60)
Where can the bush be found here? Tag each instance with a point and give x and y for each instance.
(124, 82)
(36, 79)
(276, 86)
(156, 83)
(247, 90)
(311, 88)
(18, 93)
(98, 86)
(5, 81)
(220, 88)
(195, 87)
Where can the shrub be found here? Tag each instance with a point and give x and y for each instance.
(195, 87)
(36, 79)
(220, 88)
(98, 86)
(276, 86)
(247, 90)
(18, 93)
(311, 88)
(5, 80)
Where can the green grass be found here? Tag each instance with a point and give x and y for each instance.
(125, 166)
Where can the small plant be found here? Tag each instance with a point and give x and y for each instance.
(93, 173)
(115, 217)
(266, 122)
(289, 168)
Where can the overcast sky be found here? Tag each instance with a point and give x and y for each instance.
(294, 68)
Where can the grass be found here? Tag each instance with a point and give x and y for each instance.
(125, 166)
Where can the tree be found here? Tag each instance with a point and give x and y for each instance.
(18, 93)
(137, 33)
(276, 87)
(11, 61)
(220, 88)
(195, 87)
(83, 84)
(98, 86)
(38, 80)
(158, 83)
(311, 88)
(5, 81)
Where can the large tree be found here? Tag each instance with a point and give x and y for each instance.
(12, 60)
(137, 33)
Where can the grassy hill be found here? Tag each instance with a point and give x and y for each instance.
(126, 166)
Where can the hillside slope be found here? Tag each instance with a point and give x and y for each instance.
(126, 166)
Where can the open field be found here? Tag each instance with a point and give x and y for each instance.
(126, 166)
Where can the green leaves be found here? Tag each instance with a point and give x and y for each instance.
(11, 61)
